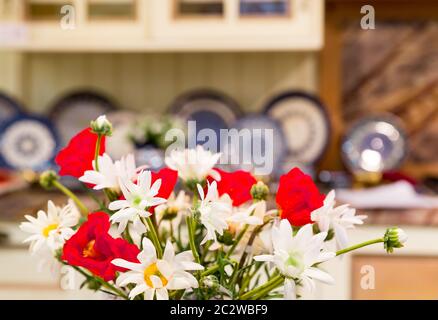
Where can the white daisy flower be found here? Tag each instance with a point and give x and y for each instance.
(51, 229)
(139, 197)
(340, 219)
(110, 173)
(71, 279)
(295, 257)
(154, 277)
(214, 212)
(252, 215)
(194, 164)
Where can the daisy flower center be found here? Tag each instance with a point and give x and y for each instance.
(296, 260)
(46, 230)
(89, 251)
(136, 201)
(152, 270)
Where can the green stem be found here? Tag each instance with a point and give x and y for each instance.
(205, 251)
(246, 281)
(155, 224)
(190, 225)
(236, 242)
(360, 245)
(265, 288)
(266, 291)
(72, 196)
(128, 235)
(210, 270)
(112, 288)
(97, 152)
(100, 280)
(153, 234)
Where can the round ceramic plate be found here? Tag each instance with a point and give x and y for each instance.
(260, 145)
(305, 123)
(208, 109)
(9, 108)
(376, 144)
(28, 142)
(73, 113)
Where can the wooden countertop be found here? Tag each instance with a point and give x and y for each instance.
(14, 205)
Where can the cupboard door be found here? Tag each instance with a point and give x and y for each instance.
(396, 277)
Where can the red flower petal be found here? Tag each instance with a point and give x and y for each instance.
(236, 184)
(297, 197)
(77, 157)
(168, 178)
(91, 247)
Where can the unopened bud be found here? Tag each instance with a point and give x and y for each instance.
(102, 126)
(47, 178)
(394, 238)
(259, 191)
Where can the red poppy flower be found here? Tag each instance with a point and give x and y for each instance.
(236, 184)
(297, 197)
(93, 248)
(168, 178)
(77, 157)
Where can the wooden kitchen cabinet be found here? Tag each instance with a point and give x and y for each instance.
(402, 277)
(372, 274)
(162, 25)
(235, 24)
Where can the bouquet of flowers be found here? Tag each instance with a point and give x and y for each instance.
(215, 238)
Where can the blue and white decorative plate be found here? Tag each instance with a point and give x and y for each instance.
(208, 109)
(375, 144)
(74, 112)
(9, 108)
(305, 123)
(259, 145)
(27, 142)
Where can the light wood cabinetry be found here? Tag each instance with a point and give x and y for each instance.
(161, 25)
(371, 274)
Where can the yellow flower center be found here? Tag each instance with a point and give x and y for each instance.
(49, 228)
(152, 270)
(89, 251)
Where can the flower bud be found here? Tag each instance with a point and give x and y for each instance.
(394, 238)
(226, 238)
(47, 178)
(211, 282)
(259, 191)
(102, 126)
(170, 213)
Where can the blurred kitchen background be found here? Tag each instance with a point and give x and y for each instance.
(353, 102)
